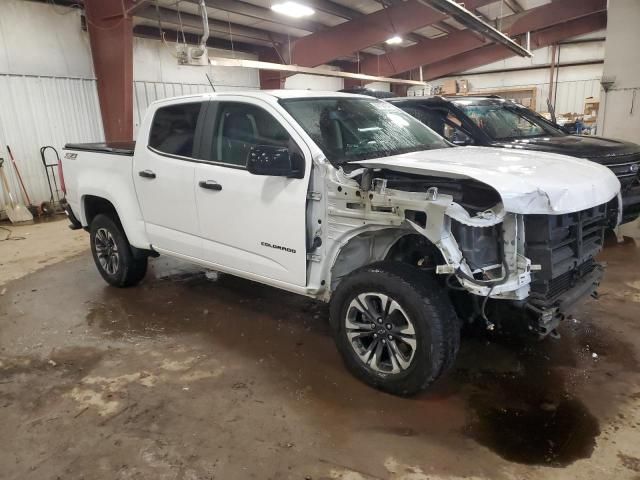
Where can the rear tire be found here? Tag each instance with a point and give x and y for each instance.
(408, 314)
(113, 255)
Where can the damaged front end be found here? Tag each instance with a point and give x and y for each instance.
(497, 264)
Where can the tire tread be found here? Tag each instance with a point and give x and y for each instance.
(443, 323)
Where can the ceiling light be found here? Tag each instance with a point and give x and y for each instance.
(292, 9)
(395, 40)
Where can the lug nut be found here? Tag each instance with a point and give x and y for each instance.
(375, 335)
(388, 326)
(379, 320)
(389, 337)
(384, 341)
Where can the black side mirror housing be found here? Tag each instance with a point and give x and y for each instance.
(462, 141)
(274, 161)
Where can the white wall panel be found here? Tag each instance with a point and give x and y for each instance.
(41, 39)
(158, 75)
(620, 107)
(301, 81)
(40, 110)
(570, 94)
(575, 83)
(144, 93)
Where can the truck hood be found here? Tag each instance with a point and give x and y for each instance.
(528, 182)
(601, 150)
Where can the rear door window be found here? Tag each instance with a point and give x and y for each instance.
(173, 130)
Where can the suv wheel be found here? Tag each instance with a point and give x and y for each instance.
(112, 253)
(395, 327)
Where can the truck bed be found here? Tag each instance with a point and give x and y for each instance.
(115, 148)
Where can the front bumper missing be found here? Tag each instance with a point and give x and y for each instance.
(546, 314)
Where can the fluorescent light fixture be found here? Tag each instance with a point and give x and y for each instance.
(395, 40)
(292, 9)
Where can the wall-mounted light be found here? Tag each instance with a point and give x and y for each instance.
(395, 40)
(292, 9)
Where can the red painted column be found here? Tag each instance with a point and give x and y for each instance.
(350, 83)
(111, 39)
(271, 80)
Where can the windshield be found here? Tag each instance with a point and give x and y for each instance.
(348, 129)
(502, 122)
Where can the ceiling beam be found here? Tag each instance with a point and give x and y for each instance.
(473, 23)
(144, 31)
(334, 9)
(366, 31)
(493, 53)
(261, 13)
(514, 6)
(551, 14)
(428, 52)
(136, 7)
(443, 27)
(241, 32)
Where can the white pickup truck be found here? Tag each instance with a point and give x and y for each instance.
(348, 199)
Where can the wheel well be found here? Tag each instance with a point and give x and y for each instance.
(97, 205)
(392, 244)
(415, 250)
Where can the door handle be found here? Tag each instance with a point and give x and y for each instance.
(210, 185)
(147, 174)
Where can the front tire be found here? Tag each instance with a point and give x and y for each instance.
(394, 327)
(113, 255)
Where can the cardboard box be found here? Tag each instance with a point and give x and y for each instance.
(449, 87)
(591, 106)
(526, 102)
(463, 86)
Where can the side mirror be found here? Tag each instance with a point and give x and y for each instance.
(461, 139)
(273, 161)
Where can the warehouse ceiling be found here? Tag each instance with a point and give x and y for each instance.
(356, 34)
(229, 15)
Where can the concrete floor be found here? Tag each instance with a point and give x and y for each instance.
(190, 376)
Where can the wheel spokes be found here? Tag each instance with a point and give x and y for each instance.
(397, 357)
(376, 357)
(107, 251)
(366, 355)
(380, 332)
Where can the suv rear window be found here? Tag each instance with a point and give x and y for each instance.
(174, 127)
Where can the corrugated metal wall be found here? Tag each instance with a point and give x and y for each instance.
(44, 110)
(145, 93)
(570, 95)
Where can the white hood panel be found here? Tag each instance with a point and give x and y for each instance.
(528, 182)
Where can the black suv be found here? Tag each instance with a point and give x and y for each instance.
(495, 122)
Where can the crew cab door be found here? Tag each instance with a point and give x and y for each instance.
(164, 169)
(251, 224)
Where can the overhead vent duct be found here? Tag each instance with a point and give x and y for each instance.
(199, 55)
